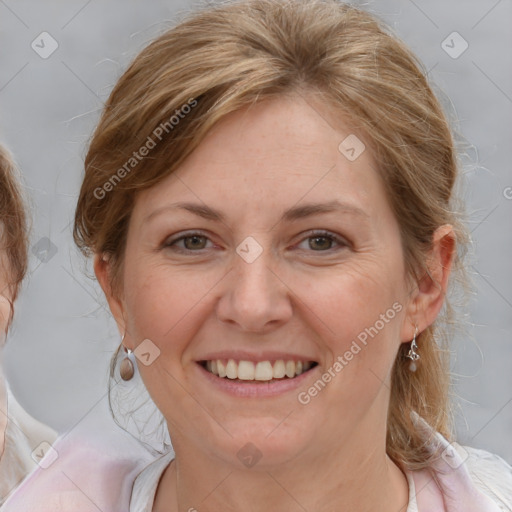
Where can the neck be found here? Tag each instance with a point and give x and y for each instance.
(337, 479)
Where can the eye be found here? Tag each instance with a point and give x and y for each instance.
(192, 242)
(319, 241)
(322, 241)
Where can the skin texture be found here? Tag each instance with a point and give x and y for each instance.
(302, 295)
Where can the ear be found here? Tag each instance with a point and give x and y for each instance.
(103, 271)
(427, 299)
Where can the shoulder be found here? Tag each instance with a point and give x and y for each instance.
(83, 470)
(491, 475)
(467, 479)
(464, 479)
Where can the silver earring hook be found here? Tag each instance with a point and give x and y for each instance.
(413, 354)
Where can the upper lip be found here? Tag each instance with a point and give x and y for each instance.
(241, 355)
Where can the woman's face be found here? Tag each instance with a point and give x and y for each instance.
(270, 246)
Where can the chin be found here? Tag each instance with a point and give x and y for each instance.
(262, 443)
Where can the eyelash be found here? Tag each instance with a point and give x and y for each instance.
(312, 234)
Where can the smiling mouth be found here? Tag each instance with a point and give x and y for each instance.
(262, 371)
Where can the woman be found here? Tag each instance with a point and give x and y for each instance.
(268, 197)
(21, 436)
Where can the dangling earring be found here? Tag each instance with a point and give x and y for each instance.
(412, 354)
(126, 368)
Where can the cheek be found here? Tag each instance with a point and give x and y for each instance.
(163, 303)
(359, 313)
(350, 299)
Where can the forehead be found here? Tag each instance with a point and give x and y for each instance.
(275, 153)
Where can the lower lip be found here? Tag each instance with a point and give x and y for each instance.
(254, 388)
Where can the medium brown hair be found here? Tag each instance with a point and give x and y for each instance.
(229, 56)
(13, 224)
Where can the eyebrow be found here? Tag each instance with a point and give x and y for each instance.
(292, 214)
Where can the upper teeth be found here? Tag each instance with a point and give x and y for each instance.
(263, 370)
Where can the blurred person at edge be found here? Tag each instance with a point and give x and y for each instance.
(20, 434)
(269, 180)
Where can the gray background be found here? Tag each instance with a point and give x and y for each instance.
(63, 336)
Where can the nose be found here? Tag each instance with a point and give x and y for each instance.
(254, 298)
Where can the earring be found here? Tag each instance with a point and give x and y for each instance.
(126, 368)
(412, 354)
